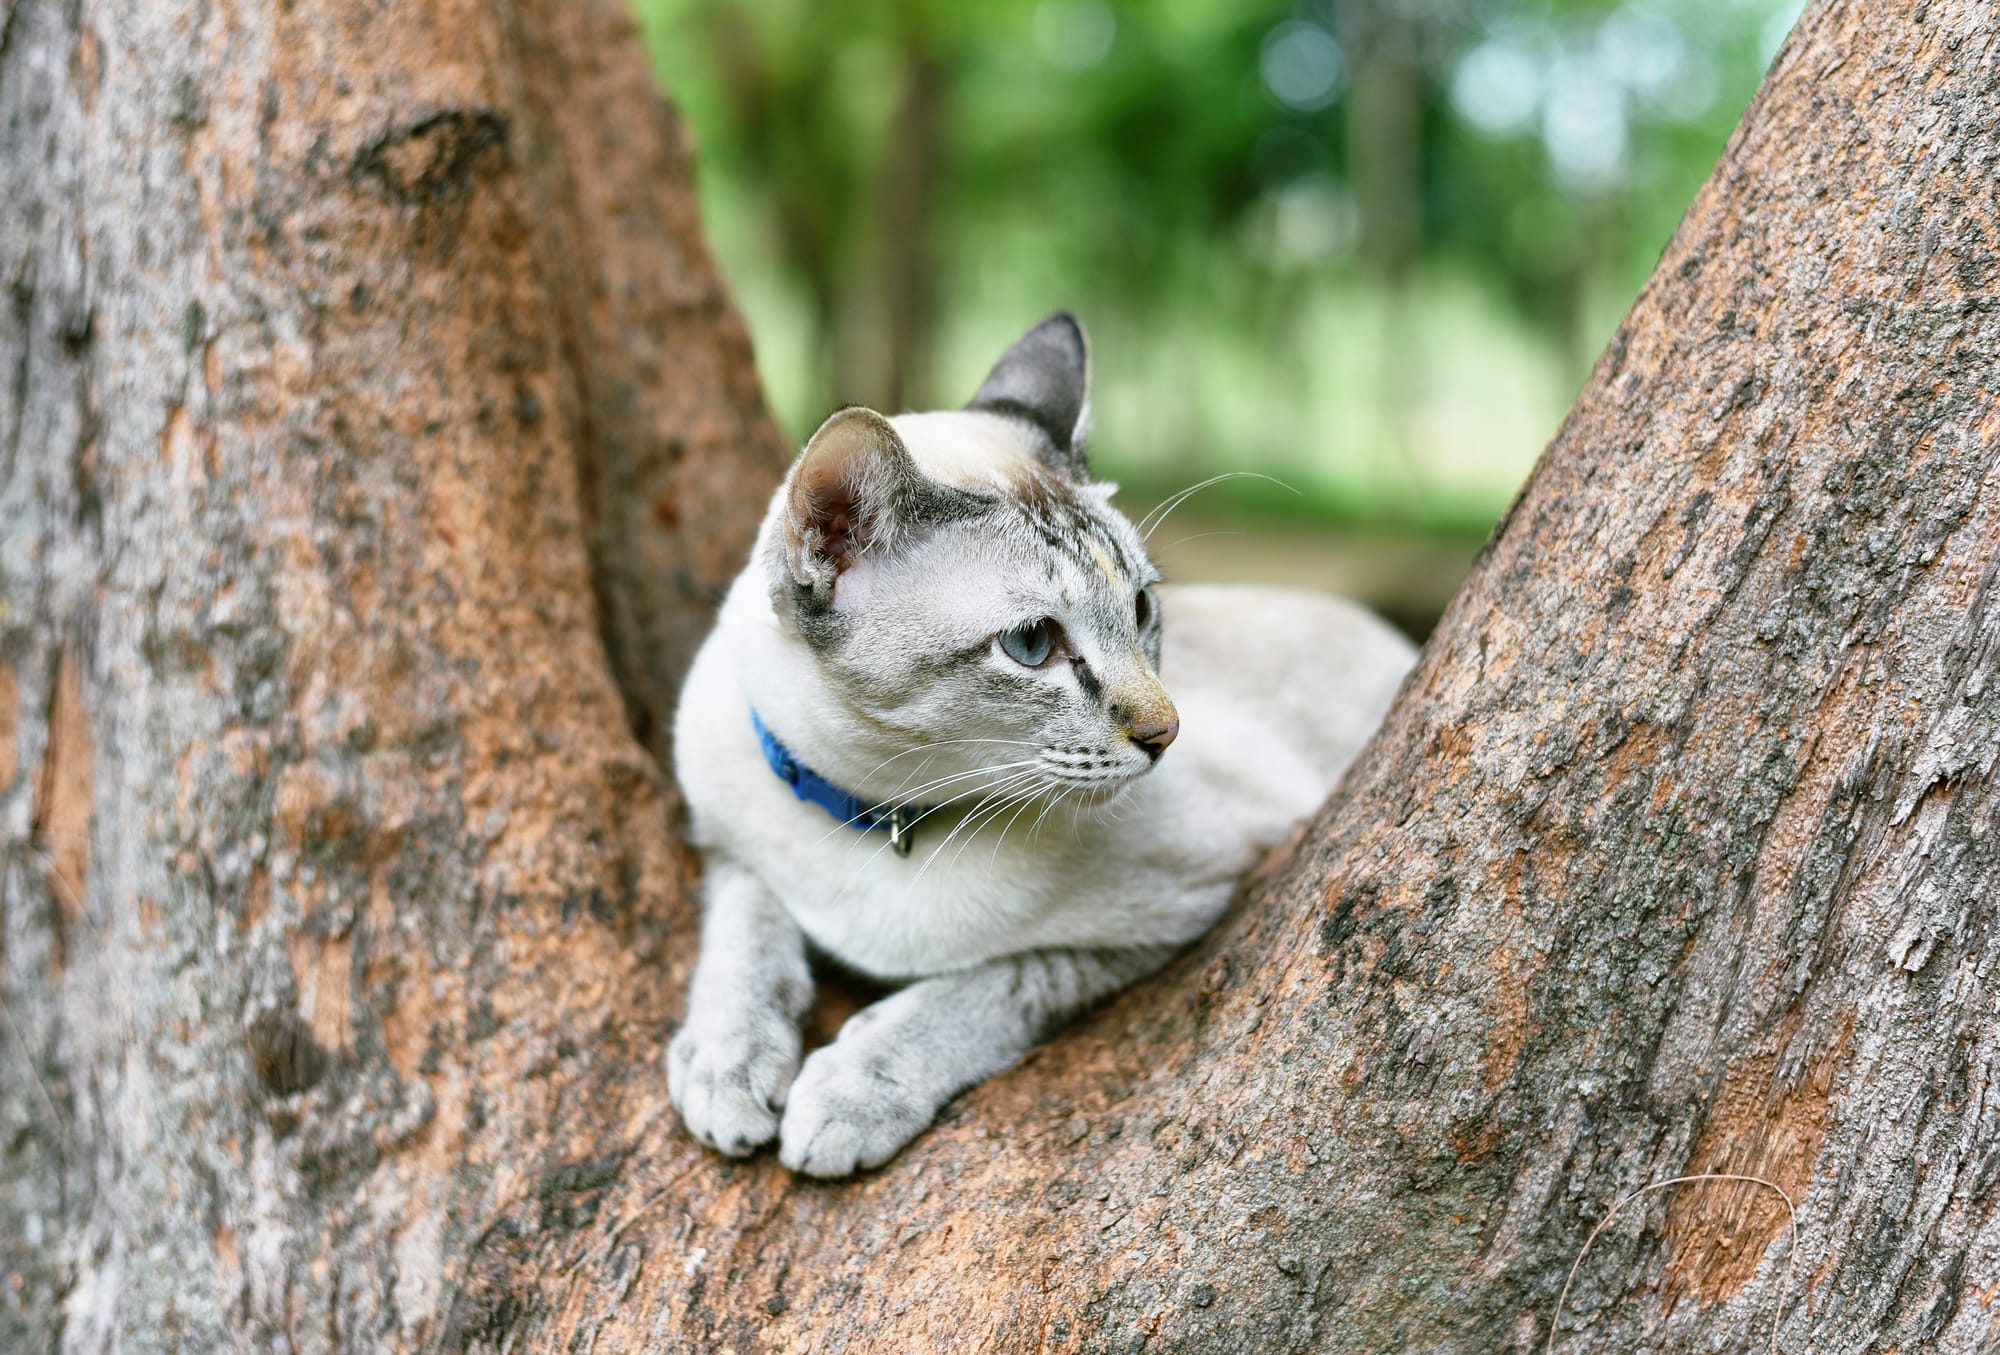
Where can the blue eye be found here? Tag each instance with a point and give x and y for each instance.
(1030, 645)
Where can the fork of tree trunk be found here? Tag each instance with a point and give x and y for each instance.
(376, 436)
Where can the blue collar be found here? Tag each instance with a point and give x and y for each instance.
(845, 806)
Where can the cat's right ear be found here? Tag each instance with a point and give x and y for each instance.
(1044, 379)
(846, 497)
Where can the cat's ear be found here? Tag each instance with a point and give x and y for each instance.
(1045, 379)
(850, 493)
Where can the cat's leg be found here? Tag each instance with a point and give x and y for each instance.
(729, 1066)
(896, 1063)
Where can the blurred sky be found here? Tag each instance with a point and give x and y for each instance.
(1370, 248)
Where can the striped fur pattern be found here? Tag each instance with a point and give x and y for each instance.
(908, 571)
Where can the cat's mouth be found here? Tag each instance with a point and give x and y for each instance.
(1091, 779)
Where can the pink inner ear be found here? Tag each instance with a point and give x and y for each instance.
(839, 529)
(831, 514)
(836, 509)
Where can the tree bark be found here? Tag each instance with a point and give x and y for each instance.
(375, 439)
(344, 918)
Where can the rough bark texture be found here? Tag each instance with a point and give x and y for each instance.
(372, 420)
(343, 922)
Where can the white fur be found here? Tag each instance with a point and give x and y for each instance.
(962, 448)
(1060, 863)
(1277, 691)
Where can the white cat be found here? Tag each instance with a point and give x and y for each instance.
(929, 737)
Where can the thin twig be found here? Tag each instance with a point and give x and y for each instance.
(1791, 1242)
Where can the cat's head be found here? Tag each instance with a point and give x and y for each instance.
(972, 598)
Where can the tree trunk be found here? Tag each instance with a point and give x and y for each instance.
(375, 440)
(343, 924)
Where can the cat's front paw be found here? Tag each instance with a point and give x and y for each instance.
(730, 1085)
(843, 1116)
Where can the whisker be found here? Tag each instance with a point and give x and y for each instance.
(948, 837)
(903, 798)
(1197, 536)
(943, 743)
(1071, 810)
(994, 860)
(988, 807)
(1007, 788)
(892, 805)
(999, 788)
(930, 752)
(1160, 510)
(936, 851)
(1048, 809)
(1021, 798)
(1151, 522)
(855, 873)
(888, 843)
(1024, 796)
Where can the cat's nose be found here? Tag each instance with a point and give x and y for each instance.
(1153, 731)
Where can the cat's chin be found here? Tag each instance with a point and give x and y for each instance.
(1099, 794)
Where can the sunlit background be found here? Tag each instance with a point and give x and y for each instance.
(1369, 248)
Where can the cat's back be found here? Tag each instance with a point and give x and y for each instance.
(1278, 674)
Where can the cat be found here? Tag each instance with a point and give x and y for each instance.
(930, 738)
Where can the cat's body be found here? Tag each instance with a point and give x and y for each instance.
(906, 576)
(1253, 757)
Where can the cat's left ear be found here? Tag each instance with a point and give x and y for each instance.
(853, 491)
(1044, 379)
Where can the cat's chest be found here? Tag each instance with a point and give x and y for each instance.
(973, 891)
(958, 898)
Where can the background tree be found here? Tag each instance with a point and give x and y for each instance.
(376, 433)
(1369, 246)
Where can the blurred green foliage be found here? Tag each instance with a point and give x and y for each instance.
(1370, 247)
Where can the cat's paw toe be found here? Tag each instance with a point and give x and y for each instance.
(729, 1089)
(841, 1119)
